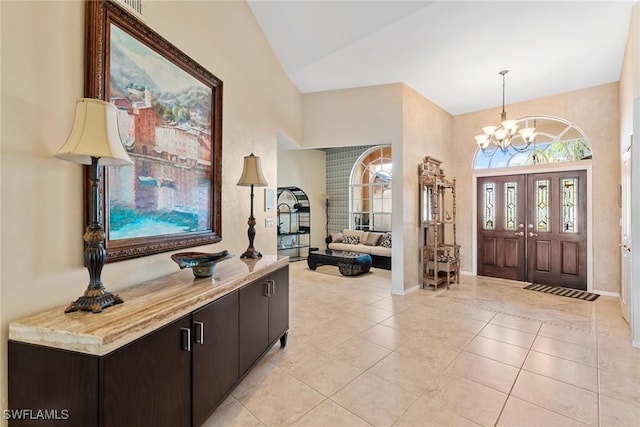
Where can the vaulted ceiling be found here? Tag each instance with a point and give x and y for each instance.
(449, 51)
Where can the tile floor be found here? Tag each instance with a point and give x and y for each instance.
(484, 352)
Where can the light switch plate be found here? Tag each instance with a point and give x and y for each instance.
(268, 222)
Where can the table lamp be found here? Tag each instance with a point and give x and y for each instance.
(252, 176)
(95, 141)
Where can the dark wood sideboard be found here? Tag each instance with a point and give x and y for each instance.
(184, 347)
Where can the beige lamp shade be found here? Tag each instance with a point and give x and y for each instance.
(252, 172)
(94, 134)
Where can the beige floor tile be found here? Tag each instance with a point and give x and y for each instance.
(274, 396)
(330, 414)
(427, 339)
(518, 413)
(620, 386)
(408, 321)
(466, 398)
(515, 322)
(424, 413)
(410, 372)
(508, 335)
(376, 401)
(576, 336)
(358, 352)
(258, 376)
(565, 350)
(296, 349)
(322, 372)
(618, 413)
(232, 414)
(607, 323)
(562, 370)
(497, 350)
(565, 399)
(429, 349)
(489, 372)
(340, 330)
(619, 342)
(396, 304)
(612, 360)
(470, 325)
(371, 313)
(384, 336)
(458, 347)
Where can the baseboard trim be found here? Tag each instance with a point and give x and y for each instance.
(405, 291)
(606, 293)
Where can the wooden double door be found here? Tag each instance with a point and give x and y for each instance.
(534, 228)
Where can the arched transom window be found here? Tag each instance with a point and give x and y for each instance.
(557, 140)
(370, 191)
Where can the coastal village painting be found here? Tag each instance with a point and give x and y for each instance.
(164, 116)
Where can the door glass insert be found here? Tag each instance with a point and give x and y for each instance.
(510, 205)
(542, 204)
(489, 206)
(569, 188)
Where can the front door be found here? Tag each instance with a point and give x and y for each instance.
(533, 228)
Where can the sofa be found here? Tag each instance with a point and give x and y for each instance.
(376, 244)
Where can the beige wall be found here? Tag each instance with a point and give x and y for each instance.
(596, 112)
(42, 76)
(630, 79)
(427, 131)
(306, 169)
(359, 116)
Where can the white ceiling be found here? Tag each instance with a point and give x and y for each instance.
(449, 51)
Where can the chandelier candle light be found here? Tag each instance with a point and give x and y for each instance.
(502, 136)
(252, 176)
(94, 141)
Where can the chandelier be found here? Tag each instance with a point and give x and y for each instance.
(504, 135)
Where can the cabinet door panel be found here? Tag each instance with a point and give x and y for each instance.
(148, 382)
(215, 360)
(63, 382)
(279, 304)
(254, 323)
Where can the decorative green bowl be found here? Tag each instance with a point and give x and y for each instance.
(203, 264)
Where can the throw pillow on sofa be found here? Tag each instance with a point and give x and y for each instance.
(385, 241)
(371, 238)
(351, 240)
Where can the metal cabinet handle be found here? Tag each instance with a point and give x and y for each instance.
(519, 233)
(532, 234)
(186, 338)
(199, 332)
(269, 288)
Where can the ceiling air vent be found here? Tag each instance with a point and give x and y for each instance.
(132, 5)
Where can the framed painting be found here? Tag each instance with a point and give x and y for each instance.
(170, 120)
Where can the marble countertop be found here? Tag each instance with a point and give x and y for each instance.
(147, 307)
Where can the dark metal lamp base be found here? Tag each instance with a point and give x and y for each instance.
(251, 253)
(95, 303)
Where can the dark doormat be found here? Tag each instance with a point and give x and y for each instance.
(565, 292)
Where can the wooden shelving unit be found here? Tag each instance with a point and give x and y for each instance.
(440, 255)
